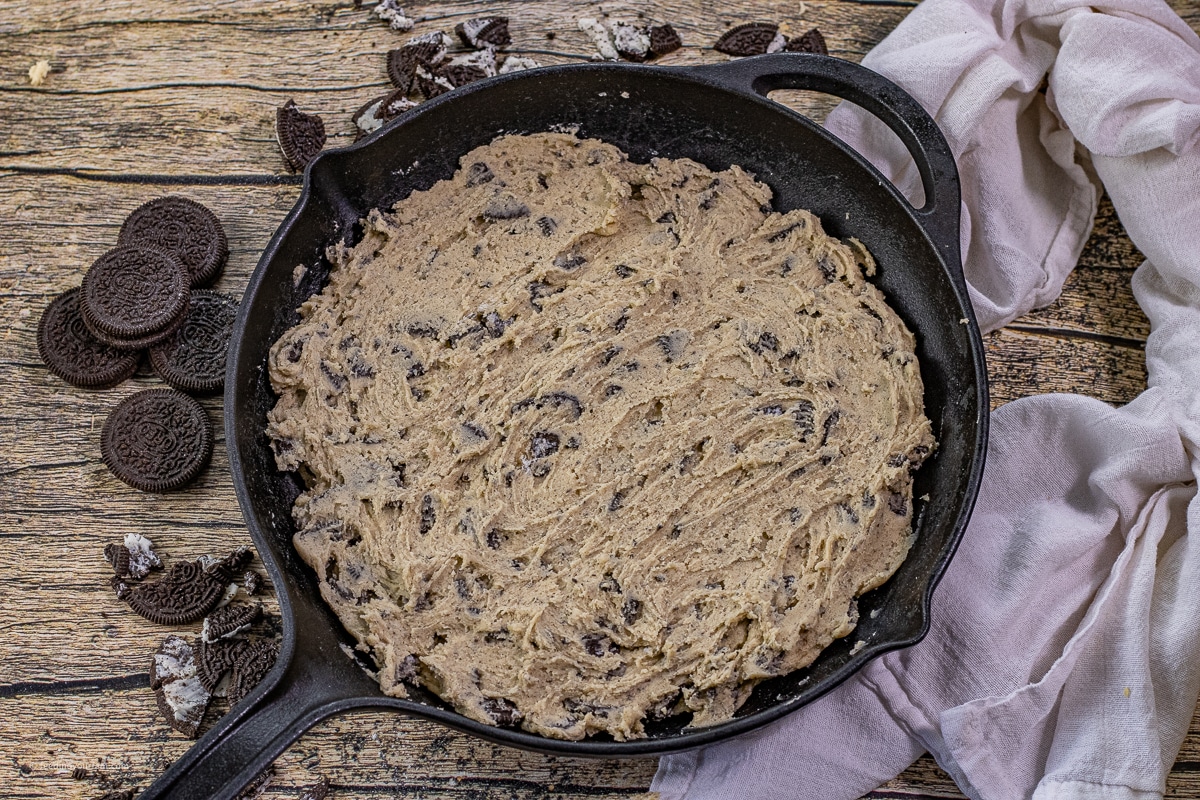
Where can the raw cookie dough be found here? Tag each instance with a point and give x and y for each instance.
(588, 442)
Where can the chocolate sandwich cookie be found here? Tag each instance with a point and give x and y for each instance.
(71, 352)
(301, 136)
(809, 42)
(663, 39)
(156, 440)
(215, 659)
(193, 358)
(374, 113)
(228, 621)
(130, 295)
(182, 699)
(484, 32)
(251, 667)
(183, 228)
(750, 39)
(402, 62)
(184, 595)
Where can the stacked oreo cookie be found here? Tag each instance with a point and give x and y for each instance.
(143, 295)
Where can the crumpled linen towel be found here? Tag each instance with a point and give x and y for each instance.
(1063, 660)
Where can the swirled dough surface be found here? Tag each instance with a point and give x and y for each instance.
(588, 442)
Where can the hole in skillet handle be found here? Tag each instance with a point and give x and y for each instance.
(897, 109)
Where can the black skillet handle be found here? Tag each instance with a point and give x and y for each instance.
(878, 95)
(247, 739)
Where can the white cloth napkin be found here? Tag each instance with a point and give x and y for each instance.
(1064, 656)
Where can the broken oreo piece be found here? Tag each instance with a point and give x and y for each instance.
(390, 12)
(430, 84)
(181, 697)
(301, 136)
(157, 440)
(517, 64)
(193, 358)
(134, 558)
(252, 582)
(809, 42)
(750, 39)
(374, 113)
(402, 62)
(130, 293)
(251, 667)
(215, 659)
(318, 791)
(229, 621)
(663, 39)
(469, 67)
(484, 32)
(184, 595)
(183, 228)
(70, 351)
(631, 42)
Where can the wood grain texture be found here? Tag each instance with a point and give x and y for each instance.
(148, 97)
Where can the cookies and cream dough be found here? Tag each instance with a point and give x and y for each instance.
(589, 442)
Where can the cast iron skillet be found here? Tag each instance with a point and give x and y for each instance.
(717, 115)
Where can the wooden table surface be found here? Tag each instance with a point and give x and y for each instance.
(149, 97)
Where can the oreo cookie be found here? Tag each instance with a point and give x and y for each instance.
(71, 352)
(132, 559)
(183, 228)
(632, 42)
(252, 583)
(301, 136)
(751, 39)
(484, 32)
(229, 621)
(468, 67)
(402, 62)
(251, 667)
(810, 42)
(156, 440)
(374, 113)
(215, 659)
(182, 699)
(193, 358)
(131, 294)
(663, 39)
(184, 595)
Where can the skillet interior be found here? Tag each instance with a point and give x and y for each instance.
(647, 112)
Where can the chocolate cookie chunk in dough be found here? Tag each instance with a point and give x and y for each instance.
(157, 440)
(183, 228)
(71, 352)
(193, 358)
(131, 293)
(586, 441)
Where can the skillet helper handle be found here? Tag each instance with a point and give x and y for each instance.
(892, 105)
(250, 737)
